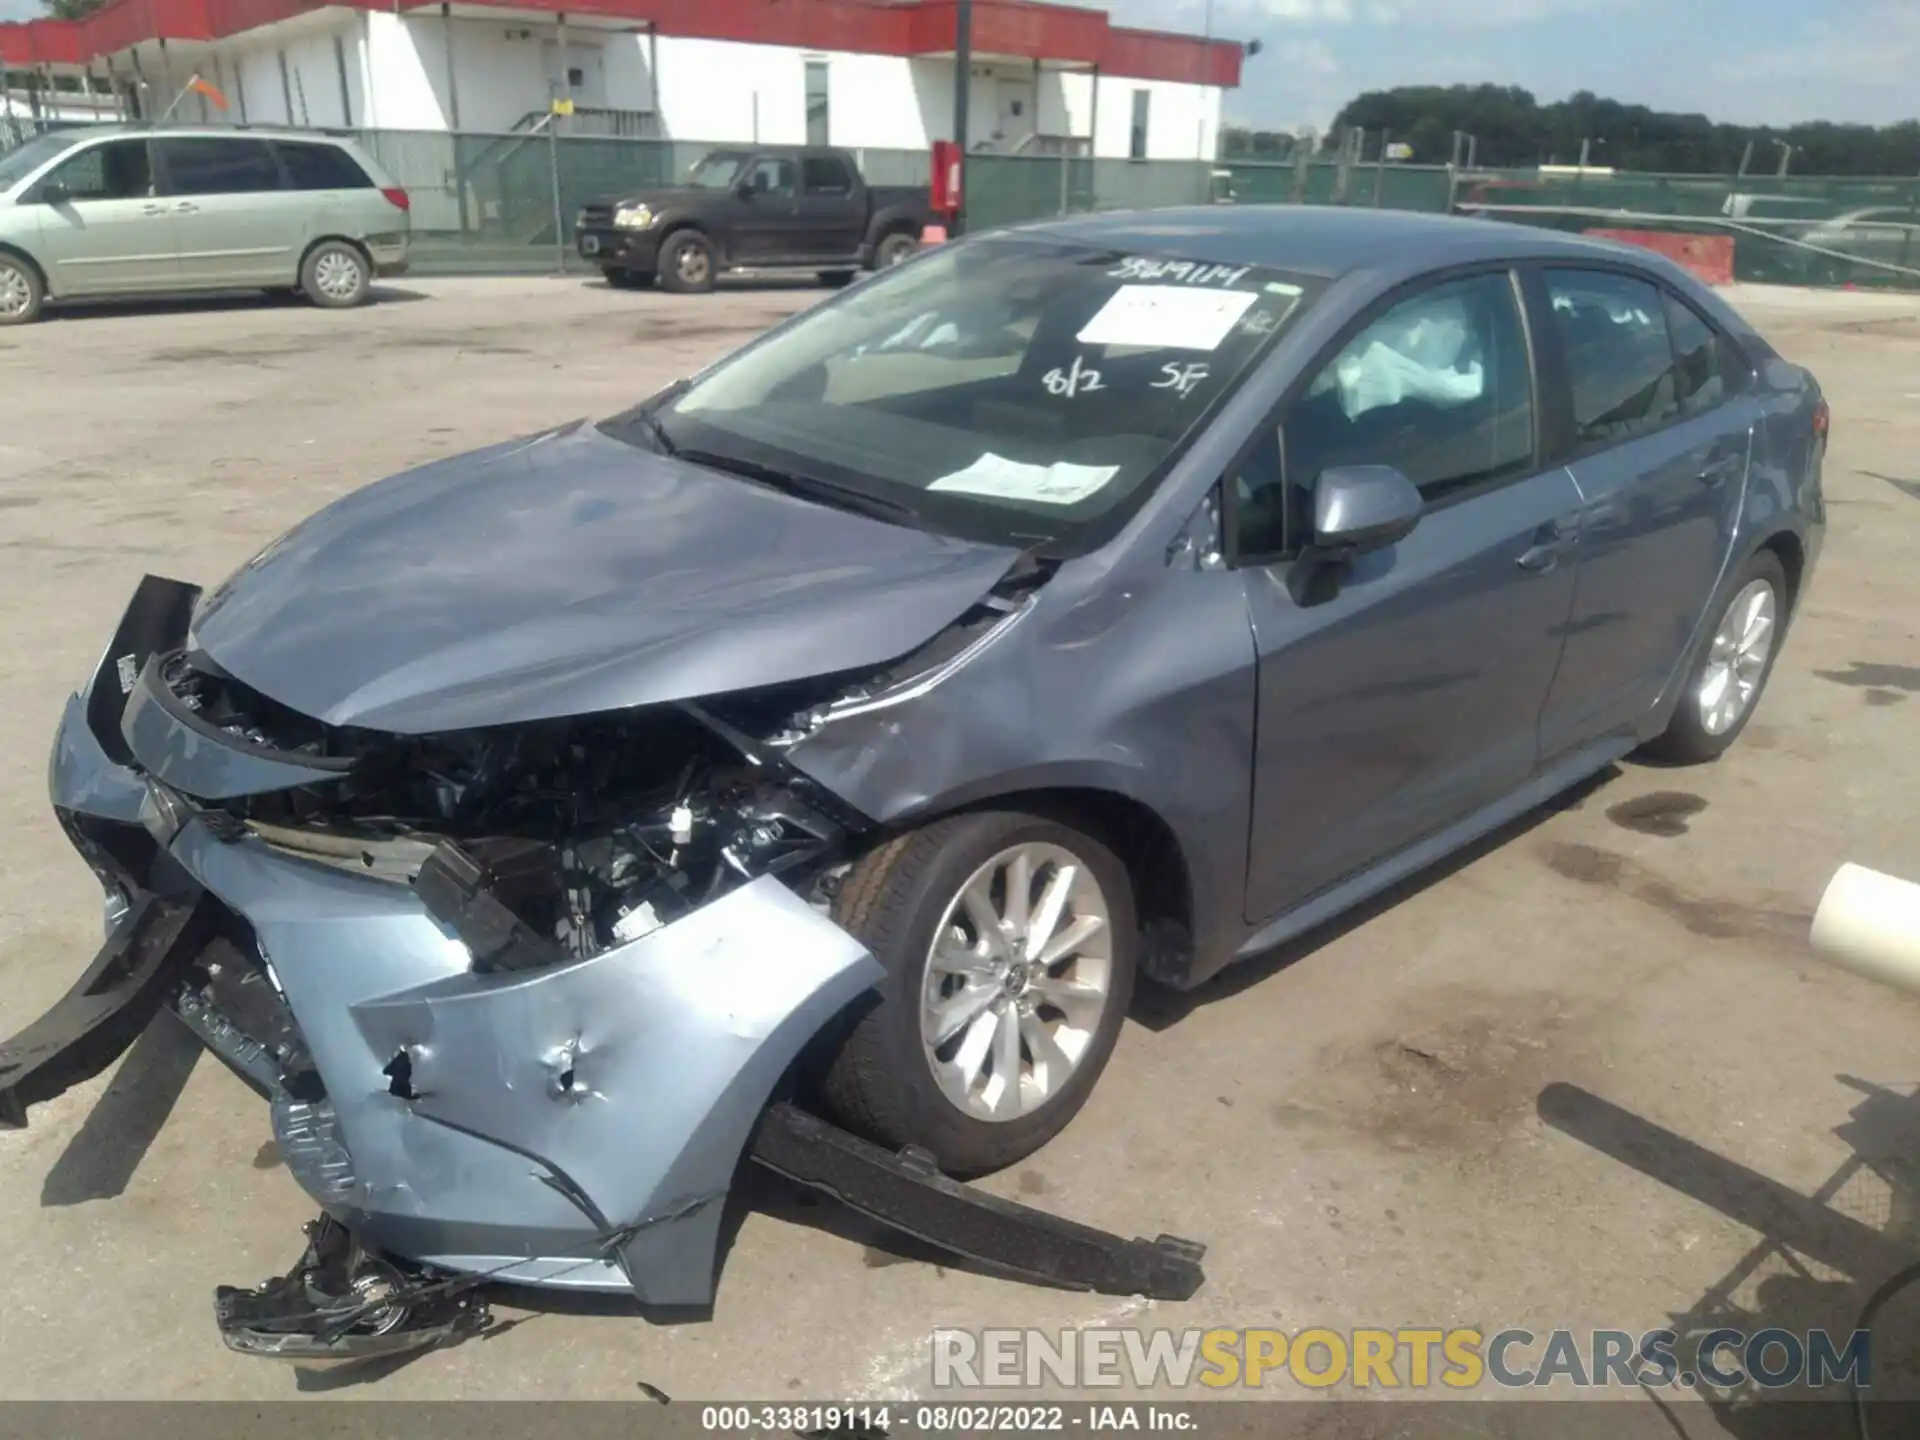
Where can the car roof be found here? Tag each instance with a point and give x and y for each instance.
(1329, 240)
(141, 130)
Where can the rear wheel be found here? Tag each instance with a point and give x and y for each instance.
(686, 264)
(336, 275)
(21, 293)
(1010, 947)
(1732, 668)
(894, 248)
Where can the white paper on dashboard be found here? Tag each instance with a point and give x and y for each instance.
(1167, 317)
(1060, 483)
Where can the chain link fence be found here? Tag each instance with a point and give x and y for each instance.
(508, 201)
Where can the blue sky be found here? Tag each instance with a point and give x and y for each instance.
(1753, 61)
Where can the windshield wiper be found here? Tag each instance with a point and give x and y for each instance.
(806, 487)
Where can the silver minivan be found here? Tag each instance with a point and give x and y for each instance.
(125, 210)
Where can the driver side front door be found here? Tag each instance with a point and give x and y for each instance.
(101, 229)
(1410, 698)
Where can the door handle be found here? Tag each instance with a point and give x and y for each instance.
(1718, 472)
(153, 209)
(185, 205)
(1548, 541)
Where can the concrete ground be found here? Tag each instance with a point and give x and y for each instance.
(1578, 1079)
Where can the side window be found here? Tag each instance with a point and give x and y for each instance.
(117, 170)
(1619, 357)
(773, 177)
(321, 167)
(1439, 387)
(1706, 366)
(215, 165)
(825, 175)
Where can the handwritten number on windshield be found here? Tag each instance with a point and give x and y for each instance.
(1068, 383)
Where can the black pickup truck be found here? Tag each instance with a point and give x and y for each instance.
(757, 207)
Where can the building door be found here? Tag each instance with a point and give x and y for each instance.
(1014, 118)
(585, 76)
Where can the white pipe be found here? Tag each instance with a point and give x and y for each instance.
(1869, 923)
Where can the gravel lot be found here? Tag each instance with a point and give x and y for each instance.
(1368, 1129)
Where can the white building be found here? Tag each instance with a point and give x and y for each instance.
(864, 74)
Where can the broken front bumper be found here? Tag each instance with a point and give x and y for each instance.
(576, 1126)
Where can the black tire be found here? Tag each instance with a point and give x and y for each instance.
(881, 1084)
(894, 248)
(22, 292)
(1687, 739)
(336, 275)
(622, 278)
(835, 279)
(687, 263)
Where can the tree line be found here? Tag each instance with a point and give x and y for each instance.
(1511, 128)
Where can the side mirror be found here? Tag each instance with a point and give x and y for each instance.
(744, 189)
(1357, 508)
(54, 194)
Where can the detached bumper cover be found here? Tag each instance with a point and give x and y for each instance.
(501, 1124)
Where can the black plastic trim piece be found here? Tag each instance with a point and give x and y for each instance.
(907, 1192)
(457, 890)
(108, 1006)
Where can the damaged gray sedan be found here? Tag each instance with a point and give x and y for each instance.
(804, 765)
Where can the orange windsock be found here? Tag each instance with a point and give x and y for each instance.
(208, 89)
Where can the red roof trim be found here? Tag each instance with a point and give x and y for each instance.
(908, 27)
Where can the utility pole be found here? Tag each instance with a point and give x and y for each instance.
(1746, 159)
(1786, 156)
(962, 83)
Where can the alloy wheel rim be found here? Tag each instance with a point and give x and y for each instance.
(337, 275)
(693, 264)
(15, 293)
(1017, 981)
(1737, 659)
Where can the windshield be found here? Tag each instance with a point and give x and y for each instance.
(18, 164)
(716, 171)
(1012, 389)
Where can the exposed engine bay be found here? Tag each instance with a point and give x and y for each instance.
(594, 832)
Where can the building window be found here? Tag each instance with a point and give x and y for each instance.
(816, 102)
(1137, 141)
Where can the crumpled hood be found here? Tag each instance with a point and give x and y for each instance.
(569, 574)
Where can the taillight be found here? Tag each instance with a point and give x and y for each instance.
(1822, 418)
(396, 197)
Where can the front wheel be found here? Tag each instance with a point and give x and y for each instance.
(1010, 945)
(21, 293)
(686, 264)
(1732, 668)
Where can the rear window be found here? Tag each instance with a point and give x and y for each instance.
(321, 167)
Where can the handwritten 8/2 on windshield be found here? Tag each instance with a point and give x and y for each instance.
(1081, 378)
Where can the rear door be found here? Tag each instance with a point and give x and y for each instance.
(831, 221)
(1410, 698)
(101, 229)
(237, 222)
(1661, 431)
(762, 220)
